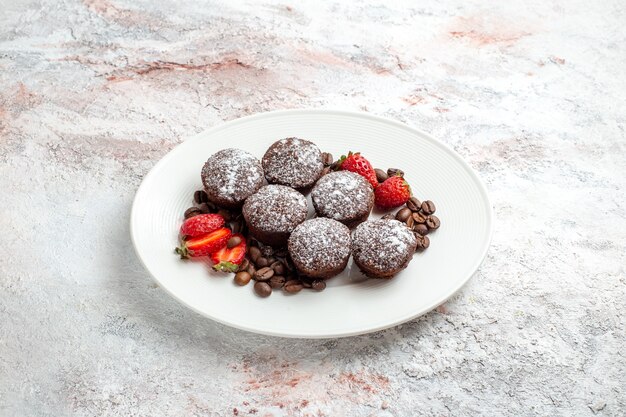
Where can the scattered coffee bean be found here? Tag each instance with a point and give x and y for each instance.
(433, 222)
(242, 278)
(233, 241)
(264, 274)
(278, 267)
(192, 211)
(423, 242)
(325, 171)
(262, 262)
(227, 215)
(205, 208)
(418, 217)
(293, 286)
(381, 175)
(414, 204)
(251, 269)
(243, 265)
(392, 172)
(262, 289)
(318, 285)
(428, 207)
(410, 222)
(306, 283)
(200, 197)
(254, 252)
(277, 281)
(389, 216)
(327, 159)
(421, 229)
(403, 214)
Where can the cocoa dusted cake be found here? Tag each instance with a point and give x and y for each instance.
(273, 212)
(382, 248)
(320, 248)
(293, 162)
(230, 176)
(343, 196)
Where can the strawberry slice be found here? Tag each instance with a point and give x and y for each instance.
(201, 224)
(228, 259)
(204, 245)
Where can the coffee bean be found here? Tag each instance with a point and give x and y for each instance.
(428, 207)
(325, 171)
(403, 214)
(242, 278)
(267, 251)
(262, 289)
(381, 175)
(306, 283)
(392, 172)
(433, 222)
(389, 216)
(327, 159)
(278, 267)
(423, 242)
(264, 274)
(200, 197)
(205, 208)
(418, 217)
(245, 263)
(254, 252)
(421, 229)
(233, 241)
(293, 286)
(318, 285)
(410, 222)
(251, 269)
(414, 204)
(277, 281)
(262, 262)
(227, 215)
(192, 211)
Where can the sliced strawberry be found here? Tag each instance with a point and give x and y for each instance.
(355, 162)
(204, 245)
(201, 224)
(394, 192)
(228, 259)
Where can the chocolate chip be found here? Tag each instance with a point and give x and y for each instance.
(262, 289)
(264, 274)
(392, 172)
(278, 267)
(254, 252)
(414, 204)
(423, 242)
(327, 159)
(233, 241)
(242, 278)
(433, 222)
(381, 175)
(403, 214)
(421, 229)
(192, 211)
(418, 217)
(318, 285)
(428, 207)
(200, 197)
(245, 263)
(277, 281)
(293, 286)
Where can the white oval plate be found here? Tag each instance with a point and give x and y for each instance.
(350, 305)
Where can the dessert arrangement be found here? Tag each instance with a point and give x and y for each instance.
(250, 218)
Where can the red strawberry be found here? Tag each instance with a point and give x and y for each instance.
(394, 192)
(354, 162)
(204, 245)
(201, 224)
(228, 259)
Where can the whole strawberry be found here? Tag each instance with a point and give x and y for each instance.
(201, 224)
(356, 163)
(394, 192)
(227, 259)
(204, 245)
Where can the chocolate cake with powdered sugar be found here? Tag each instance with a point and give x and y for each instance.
(230, 176)
(343, 196)
(273, 212)
(293, 162)
(382, 248)
(320, 248)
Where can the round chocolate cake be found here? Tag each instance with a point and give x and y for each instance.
(382, 248)
(344, 196)
(230, 176)
(293, 162)
(273, 212)
(320, 248)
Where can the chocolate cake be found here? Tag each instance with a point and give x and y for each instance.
(273, 212)
(382, 248)
(293, 162)
(320, 248)
(230, 176)
(343, 196)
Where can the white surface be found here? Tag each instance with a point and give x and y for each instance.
(350, 305)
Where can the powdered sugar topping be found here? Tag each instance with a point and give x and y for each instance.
(293, 162)
(320, 244)
(231, 175)
(342, 196)
(383, 245)
(275, 208)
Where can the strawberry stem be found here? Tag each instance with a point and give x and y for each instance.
(183, 251)
(226, 266)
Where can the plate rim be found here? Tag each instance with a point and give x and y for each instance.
(359, 114)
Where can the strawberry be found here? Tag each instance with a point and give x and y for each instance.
(394, 192)
(205, 244)
(201, 224)
(228, 259)
(356, 163)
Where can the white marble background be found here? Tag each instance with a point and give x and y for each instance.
(531, 93)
